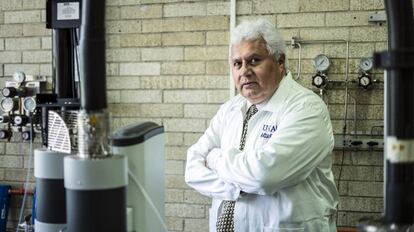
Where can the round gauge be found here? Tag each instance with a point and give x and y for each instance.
(4, 134)
(7, 104)
(4, 119)
(319, 80)
(366, 64)
(19, 77)
(20, 120)
(321, 62)
(26, 135)
(9, 92)
(29, 104)
(364, 81)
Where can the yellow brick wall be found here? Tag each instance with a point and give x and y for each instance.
(167, 63)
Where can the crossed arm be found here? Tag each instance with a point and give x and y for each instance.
(301, 142)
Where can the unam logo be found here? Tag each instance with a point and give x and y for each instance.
(268, 130)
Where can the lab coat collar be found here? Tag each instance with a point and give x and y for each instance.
(280, 94)
(275, 101)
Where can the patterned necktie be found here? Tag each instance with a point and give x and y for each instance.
(225, 222)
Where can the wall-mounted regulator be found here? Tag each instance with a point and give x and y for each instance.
(18, 103)
(321, 64)
(365, 77)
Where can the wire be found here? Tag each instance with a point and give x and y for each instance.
(150, 202)
(28, 173)
(344, 129)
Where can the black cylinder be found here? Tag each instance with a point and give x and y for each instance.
(50, 201)
(400, 80)
(399, 206)
(50, 191)
(63, 62)
(92, 56)
(399, 62)
(96, 193)
(400, 24)
(87, 210)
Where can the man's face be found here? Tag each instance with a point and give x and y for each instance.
(256, 73)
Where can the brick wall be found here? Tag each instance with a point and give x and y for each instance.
(167, 63)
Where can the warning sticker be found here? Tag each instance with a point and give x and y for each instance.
(68, 11)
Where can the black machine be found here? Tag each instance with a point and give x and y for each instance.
(72, 194)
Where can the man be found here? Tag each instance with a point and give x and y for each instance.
(265, 159)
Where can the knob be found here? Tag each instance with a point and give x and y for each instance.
(20, 120)
(4, 134)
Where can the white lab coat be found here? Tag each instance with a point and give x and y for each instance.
(282, 180)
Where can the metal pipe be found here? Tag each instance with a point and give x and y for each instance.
(299, 61)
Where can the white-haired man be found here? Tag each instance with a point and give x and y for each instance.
(265, 158)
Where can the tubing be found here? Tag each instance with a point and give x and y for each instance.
(148, 199)
(26, 183)
(92, 56)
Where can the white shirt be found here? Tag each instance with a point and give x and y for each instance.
(284, 170)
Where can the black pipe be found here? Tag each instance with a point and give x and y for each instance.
(92, 55)
(63, 62)
(399, 110)
(400, 80)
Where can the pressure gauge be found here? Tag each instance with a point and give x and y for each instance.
(19, 77)
(4, 119)
(321, 63)
(29, 104)
(9, 92)
(319, 80)
(4, 134)
(20, 120)
(364, 81)
(8, 104)
(366, 64)
(26, 135)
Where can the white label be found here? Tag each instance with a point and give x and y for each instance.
(68, 11)
(400, 150)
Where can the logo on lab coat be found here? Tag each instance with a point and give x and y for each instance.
(267, 131)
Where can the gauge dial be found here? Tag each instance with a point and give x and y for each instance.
(9, 92)
(321, 63)
(29, 104)
(20, 120)
(19, 77)
(8, 104)
(364, 81)
(366, 64)
(319, 80)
